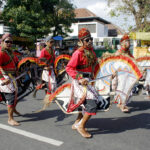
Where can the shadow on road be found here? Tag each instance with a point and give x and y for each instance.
(121, 124)
(139, 105)
(46, 114)
(3, 111)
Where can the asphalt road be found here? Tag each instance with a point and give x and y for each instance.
(112, 130)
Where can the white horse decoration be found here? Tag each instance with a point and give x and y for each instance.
(144, 63)
(127, 73)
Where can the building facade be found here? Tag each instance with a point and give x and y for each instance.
(85, 18)
(3, 29)
(100, 29)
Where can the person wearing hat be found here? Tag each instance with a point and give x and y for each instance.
(125, 45)
(48, 75)
(8, 69)
(81, 68)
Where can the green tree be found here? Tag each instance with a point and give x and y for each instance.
(139, 9)
(107, 43)
(36, 18)
(63, 17)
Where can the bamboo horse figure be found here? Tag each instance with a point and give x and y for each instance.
(71, 96)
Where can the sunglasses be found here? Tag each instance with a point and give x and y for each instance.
(88, 39)
(8, 42)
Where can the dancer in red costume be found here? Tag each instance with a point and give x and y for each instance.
(125, 45)
(48, 75)
(80, 68)
(8, 69)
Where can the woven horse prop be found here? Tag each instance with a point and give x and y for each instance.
(60, 72)
(127, 74)
(144, 63)
(27, 69)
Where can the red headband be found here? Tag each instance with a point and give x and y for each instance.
(5, 36)
(125, 37)
(83, 33)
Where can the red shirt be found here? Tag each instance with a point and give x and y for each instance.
(7, 62)
(45, 53)
(77, 60)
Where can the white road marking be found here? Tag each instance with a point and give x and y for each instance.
(31, 135)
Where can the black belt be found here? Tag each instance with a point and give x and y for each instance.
(86, 74)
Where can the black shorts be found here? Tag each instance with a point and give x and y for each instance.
(10, 98)
(90, 106)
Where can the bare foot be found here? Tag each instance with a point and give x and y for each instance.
(74, 126)
(124, 109)
(13, 122)
(83, 132)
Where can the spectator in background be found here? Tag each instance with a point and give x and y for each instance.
(38, 49)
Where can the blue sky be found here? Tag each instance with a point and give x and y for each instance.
(100, 8)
